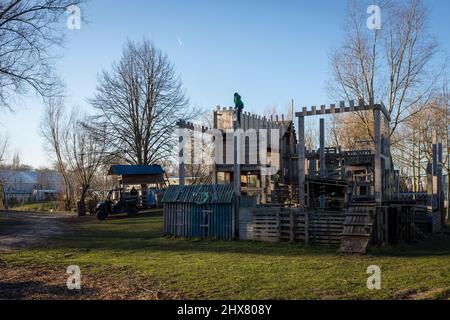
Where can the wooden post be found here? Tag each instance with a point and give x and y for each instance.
(181, 145)
(301, 161)
(301, 172)
(440, 185)
(436, 202)
(392, 189)
(214, 167)
(430, 188)
(306, 213)
(237, 177)
(292, 225)
(323, 169)
(378, 166)
(386, 225)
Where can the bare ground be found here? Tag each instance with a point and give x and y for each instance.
(424, 294)
(19, 231)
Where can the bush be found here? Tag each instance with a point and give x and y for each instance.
(47, 206)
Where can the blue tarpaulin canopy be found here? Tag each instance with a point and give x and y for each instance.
(121, 170)
(138, 174)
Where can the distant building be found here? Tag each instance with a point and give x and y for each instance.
(175, 181)
(27, 185)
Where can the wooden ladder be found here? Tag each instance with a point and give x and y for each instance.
(357, 231)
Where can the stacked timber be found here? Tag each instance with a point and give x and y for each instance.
(357, 232)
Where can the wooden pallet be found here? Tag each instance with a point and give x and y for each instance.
(357, 231)
(326, 227)
(288, 224)
(266, 224)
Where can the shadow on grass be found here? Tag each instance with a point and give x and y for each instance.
(435, 246)
(131, 235)
(144, 233)
(26, 289)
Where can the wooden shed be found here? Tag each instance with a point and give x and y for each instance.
(203, 211)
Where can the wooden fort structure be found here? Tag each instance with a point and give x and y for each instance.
(284, 192)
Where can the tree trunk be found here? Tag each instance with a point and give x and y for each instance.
(415, 182)
(81, 204)
(67, 199)
(2, 201)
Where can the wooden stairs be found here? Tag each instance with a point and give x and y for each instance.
(358, 225)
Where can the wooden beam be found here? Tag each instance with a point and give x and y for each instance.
(323, 169)
(301, 161)
(378, 166)
(342, 109)
(237, 178)
(181, 173)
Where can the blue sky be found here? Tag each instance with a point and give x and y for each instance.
(268, 51)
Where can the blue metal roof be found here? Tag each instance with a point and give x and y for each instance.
(154, 169)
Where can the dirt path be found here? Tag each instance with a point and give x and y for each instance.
(22, 229)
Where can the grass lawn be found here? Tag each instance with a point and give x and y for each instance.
(242, 270)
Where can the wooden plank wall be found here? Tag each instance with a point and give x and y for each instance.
(190, 220)
(420, 220)
(391, 224)
(396, 223)
(326, 227)
(290, 224)
(266, 224)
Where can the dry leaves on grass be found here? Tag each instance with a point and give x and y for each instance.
(49, 283)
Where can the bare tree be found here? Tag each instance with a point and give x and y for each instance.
(3, 151)
(347, 132)
(84, 150)
(44, 178)
(53, 130)
(199, 152)
(139, 103)
(392, 64)
(28, 30)
(413, 152)
(446, 105)
(4, 142)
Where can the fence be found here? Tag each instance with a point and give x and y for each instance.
(361, 224)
